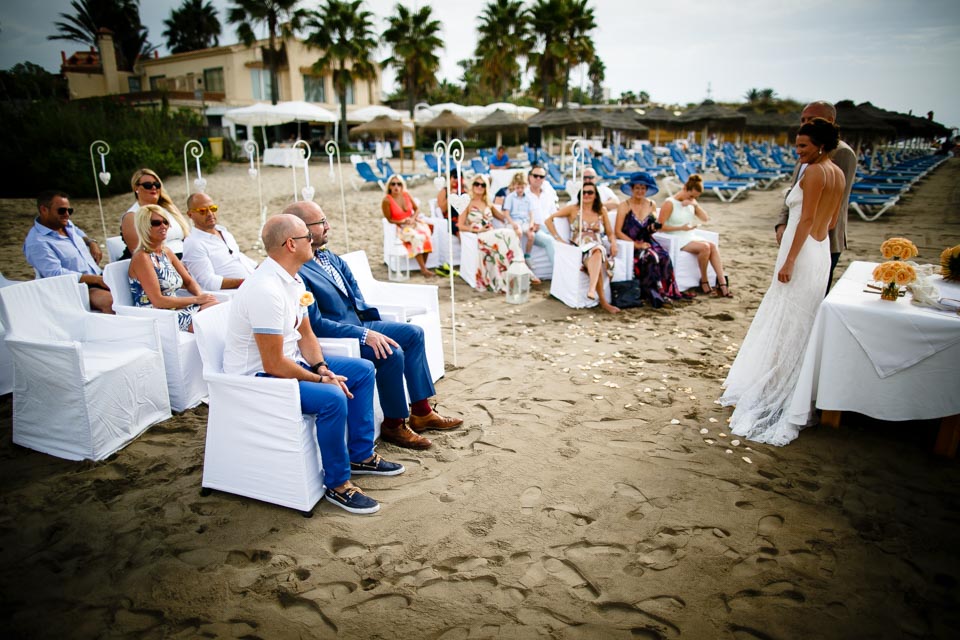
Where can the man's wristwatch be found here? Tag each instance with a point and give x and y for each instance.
(316, 368)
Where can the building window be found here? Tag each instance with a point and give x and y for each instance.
(213, 80)
(349, 96)
(313, 89)
(133, 84)
(260, 79)
(156, 83)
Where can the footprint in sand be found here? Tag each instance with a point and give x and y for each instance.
(529, 499)
(769, 525)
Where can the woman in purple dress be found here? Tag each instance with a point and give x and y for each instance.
(637, 222)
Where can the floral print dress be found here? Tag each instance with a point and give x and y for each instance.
(499, 248)
(414, 234)
(170, 281)
(652, 266)
(589, 237)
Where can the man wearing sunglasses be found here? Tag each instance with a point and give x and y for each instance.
(396, 349)
(56, 247)
(211, 253)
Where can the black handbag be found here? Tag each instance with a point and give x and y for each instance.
(626, 294)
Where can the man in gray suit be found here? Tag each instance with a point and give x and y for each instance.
(845, 158)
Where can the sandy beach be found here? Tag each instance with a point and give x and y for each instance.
(580, 500)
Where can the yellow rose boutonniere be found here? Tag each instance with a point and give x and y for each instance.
(306, 299)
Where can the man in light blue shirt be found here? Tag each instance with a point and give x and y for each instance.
(56, 247)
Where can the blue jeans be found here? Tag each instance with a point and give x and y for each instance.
(344, 427)
(545, 240)
(408, 362)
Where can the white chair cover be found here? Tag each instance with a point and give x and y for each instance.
(392, 245)
(570, 282)
(115, 247)
(442, 241)
(258, 443)
(415, 303)
(6, 358)
(180, 353)
(685, 266)
(85, 384)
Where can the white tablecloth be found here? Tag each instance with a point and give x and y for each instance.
(848, 365)
(282, 157)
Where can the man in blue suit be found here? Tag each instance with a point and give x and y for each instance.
(395, 348)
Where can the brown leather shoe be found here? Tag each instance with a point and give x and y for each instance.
(402, 436)
(433, 421)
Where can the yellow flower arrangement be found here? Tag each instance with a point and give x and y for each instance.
(306, 299)
(950, 263)
(898, 249)
(893, 274)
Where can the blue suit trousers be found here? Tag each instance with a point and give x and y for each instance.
(408, 362)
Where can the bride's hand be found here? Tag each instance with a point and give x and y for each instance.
(786, 271)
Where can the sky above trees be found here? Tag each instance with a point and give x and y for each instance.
(898, 54)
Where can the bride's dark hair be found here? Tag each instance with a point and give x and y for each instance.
(821, 133)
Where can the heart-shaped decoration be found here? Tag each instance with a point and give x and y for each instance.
(573, 187)
(307, 193)
(438, 183)
(459, 201)
(252, 172)
(105, 177)
(200, 184)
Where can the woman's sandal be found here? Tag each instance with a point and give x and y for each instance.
(705, 287)
(723, 290)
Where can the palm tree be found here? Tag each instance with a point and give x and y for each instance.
(415, 41)
(343, 29)
(193, 26)
(752, 95)
(122, 17)
(628, 97)
(561, 40)
(503, 41)
(643, 97)
(282, 19)
(597, 72)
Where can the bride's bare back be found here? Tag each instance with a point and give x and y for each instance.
(826, 178)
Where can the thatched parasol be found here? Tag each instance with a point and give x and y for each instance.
(622, 121)
(498, 121)
(857, 124)
(710, 115)
(446, 121)
(564, 119)
(380, 126)
(657, 117)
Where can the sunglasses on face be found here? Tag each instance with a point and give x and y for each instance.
(149, 185)
(204, 210)
(65, 210)
(157, 223)
(538, 176)
(585, 178)
(591, 192)
(479, 184)
(395, 184)
(309, 236)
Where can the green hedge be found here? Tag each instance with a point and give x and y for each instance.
(47, 144)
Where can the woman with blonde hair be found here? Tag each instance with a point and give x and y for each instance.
(499, 248)
(414, 232)
(680, 215)
(156, 273)
(148, 189)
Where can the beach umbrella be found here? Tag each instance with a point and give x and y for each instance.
(498, 121)
(657, 117)
(624, 121)
(447, 120)
(710, 115)
(564, 119)
(261, 114)
(858, 124)
(380, 127)
(510, 109)
(366, 114)
(769, 122)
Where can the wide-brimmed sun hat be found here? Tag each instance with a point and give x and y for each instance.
(640, 177)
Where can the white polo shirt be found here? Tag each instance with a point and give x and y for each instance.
(546, 202)
(269, 302)
(210, 258)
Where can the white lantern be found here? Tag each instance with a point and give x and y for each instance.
(398, 267)
(518, 283)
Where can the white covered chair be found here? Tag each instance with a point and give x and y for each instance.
(570, 282)
(392, 245)
(259, 444)
(115, 248)
(6, 358)
(403, 302)
(685, 266)
(446, 246)
(180, 353)
(85, 384)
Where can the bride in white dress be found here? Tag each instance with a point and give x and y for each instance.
(764, 375)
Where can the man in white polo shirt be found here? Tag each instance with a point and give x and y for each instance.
(269, 334)
(211, 254)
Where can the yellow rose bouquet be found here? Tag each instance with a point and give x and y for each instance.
(898, 249)
(894, 274)
(950, 263)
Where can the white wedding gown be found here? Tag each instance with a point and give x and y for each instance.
(764, 375)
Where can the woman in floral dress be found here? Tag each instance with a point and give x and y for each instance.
(414, 232)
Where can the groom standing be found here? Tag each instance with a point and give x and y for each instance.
(396, 349)
(845, 158)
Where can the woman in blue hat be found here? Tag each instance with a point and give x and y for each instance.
(636, 223)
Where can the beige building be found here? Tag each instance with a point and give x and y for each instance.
(215, 80)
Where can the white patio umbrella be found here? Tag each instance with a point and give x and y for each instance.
(367, 114)
(301, 111)
(261, 114)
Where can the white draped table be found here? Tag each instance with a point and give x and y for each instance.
(887, 360)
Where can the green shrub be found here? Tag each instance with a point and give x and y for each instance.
(47, 144)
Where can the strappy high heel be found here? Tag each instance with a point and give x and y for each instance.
(705, 287)
(723, 290)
